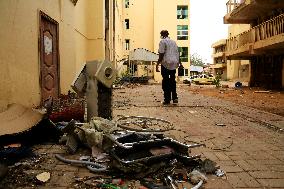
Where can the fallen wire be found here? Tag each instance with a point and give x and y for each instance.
(92, 166)
(143, 123)
(217, 148)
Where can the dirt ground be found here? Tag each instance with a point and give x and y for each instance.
(272, 101)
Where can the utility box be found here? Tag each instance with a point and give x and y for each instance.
(94, 81)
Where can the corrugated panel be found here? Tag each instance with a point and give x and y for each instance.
(143, 55)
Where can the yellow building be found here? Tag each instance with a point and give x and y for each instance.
(143, 21)
(262, 43)
(234, 70)
(45, 43)
(219, 65)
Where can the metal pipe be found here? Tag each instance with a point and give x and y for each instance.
(92, 166)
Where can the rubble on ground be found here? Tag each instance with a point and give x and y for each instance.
(128, 152)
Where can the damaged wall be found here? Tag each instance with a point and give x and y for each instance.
(19, 50)
(81, 31)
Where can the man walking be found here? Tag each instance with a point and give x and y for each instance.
(169, 58)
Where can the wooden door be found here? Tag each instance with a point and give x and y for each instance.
(49, 61)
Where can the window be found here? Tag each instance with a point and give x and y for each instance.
(182, 32)
(183, 54)
(185, 72)
(182, 12)
(126, 23)
(126, 3)
(127, 44)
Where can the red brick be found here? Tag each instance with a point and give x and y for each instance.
(273, 183)
(226, 163)
(245, 165)
(248, 180)
(235, 181)
(232, 169)
(267, 174)
(222, 156)
(210, 155)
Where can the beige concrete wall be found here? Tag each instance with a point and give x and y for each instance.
(89, 31)
(236, 29)
(19, 73)
(119, 31)
(235, 68)
(140, 14)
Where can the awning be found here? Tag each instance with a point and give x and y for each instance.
(141, 54)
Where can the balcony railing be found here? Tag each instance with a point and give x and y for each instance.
(232, 4)
(260, 32)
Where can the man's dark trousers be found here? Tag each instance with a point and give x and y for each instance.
(169, 84)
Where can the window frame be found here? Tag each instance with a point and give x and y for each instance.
(126, 4)
(179, 13)
(127, 24)
(183, 58)
(182, 36)
(127, 44)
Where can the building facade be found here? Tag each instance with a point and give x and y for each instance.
(143, 21)
(234, 70)
(262, 44)
(45, 43)
(219, 65)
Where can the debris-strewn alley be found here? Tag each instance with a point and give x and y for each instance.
(243, 147)
(247, 143)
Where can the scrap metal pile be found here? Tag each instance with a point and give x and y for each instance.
(132, 146)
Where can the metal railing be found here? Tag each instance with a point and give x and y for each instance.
(270, 28)
(232, 4)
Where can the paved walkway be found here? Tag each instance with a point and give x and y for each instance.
(249, 146)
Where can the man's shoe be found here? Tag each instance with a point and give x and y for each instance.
(175, 101)
(166, 103)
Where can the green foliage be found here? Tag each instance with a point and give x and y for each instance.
(123, 75)
(196, 60)
(216, 81)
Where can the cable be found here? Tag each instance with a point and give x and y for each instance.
(92, 166)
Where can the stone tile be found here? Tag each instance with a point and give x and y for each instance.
(232, 168)
(257, 164)
(238, 155)
(214, 183)
(235, 181)
(222, 156)
(249, 167)
(267, 162)
(226, 163)
(261, 155)
(267, 174)
(278, 154)
(248, 180)
(210, 155)
(273, 183)
(245, 165)
(277, 168)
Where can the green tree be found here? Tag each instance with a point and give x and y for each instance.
(196, 60)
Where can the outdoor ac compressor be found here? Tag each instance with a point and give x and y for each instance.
(94, 81)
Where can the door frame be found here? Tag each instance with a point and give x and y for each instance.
(40, 48)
